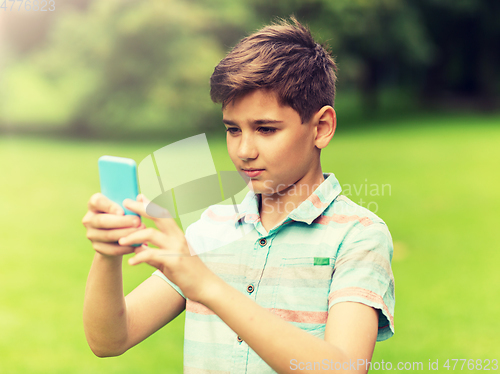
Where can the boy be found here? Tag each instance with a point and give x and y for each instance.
(308, 287)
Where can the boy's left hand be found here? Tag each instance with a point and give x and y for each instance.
(173, 256)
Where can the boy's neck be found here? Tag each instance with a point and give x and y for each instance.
(275, 208)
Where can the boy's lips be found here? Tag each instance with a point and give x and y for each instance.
(251, 172)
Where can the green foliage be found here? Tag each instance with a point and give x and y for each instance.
(142, 68)
(147, 64)
(386, 30)
(467, 33)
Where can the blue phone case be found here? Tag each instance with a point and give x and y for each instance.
(118, 176)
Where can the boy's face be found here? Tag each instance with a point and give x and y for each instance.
(269, 143)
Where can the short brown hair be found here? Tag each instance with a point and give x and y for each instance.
(284, 58)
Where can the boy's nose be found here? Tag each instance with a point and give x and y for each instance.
(247, 149)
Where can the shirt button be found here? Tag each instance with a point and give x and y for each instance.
(250, 288)
(239, 339)
(262, 242)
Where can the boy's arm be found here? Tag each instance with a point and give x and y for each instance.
(114, 323)
(350, 336)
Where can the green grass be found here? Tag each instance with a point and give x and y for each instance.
(442, 212)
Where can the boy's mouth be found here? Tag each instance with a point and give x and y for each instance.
(252, 173)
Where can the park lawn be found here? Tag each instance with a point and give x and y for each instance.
(433, 181)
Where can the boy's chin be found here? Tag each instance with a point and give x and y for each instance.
(254, 187)
(262, 188)
(258, 187)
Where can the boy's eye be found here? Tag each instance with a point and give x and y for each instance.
(267, 130)
(262, 130)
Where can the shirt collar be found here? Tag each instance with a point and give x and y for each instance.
(306, 212)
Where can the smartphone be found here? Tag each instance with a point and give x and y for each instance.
(118, 176)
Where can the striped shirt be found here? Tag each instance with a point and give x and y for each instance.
(326, 251)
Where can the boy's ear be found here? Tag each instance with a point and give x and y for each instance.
(325, 122)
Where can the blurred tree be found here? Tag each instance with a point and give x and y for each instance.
(144, 65)
(130, 66)
(467, 36)
(436, 47)
(376, 40)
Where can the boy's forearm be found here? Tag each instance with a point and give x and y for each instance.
(104, 309)
(276, 341)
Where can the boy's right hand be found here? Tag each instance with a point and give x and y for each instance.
(106, 222)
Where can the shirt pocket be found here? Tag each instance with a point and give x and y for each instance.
(304, 284)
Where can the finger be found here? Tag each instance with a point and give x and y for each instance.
(143, 207)
(109, 249)
(112, 221)
(109, 236)
(159, 215)
(148, 235)
(140, 249)
(99, 203)
(144, 254)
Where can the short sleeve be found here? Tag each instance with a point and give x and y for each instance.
(362, 273)
(162, 276)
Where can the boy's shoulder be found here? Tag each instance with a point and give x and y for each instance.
(344, 208)
(355, 223)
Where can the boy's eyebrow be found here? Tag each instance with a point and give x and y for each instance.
(263, 121)
(228, 122)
